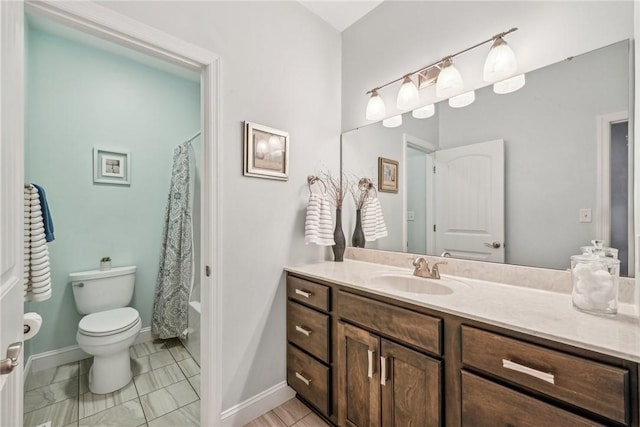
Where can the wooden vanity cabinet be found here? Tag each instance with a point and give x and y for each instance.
(381, 382)
(372, 361)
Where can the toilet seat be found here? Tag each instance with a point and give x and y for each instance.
(109, 322)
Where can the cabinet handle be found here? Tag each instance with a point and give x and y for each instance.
(370, 354)
(302, 330)
(302, 378)
(303, 293)
(544, 376)
(383, 370)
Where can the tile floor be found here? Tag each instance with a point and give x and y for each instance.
(164, 392)
(291, 413)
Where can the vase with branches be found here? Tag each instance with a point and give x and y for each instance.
(336, 191)
(359, 189)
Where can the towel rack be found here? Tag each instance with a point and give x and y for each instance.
(365, 184)
(312, 179)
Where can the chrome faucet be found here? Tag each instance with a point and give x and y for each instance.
(422, 269)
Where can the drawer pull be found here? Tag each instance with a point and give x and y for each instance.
(303, 379)
(383, 370)
(544, 376)
(370, 370)
(303, 293)
(302, 330)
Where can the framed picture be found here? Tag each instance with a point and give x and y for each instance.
(387, 175)
(111, 166)
(266, 152)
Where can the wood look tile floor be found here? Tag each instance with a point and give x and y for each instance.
(292, 413)
(164, 392)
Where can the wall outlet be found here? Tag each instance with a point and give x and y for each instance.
(411, 216)
(585, 215)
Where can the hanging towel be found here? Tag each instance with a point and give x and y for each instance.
(318, 226)
(175, 274)
(37, 270)
(373, 225)
(46, 214)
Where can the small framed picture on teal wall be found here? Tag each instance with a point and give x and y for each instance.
(111, 166)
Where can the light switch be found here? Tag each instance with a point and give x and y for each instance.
(411, 216)
(585, 215)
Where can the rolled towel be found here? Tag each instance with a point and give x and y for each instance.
(39, 297)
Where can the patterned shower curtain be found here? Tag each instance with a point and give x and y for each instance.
(173, 286)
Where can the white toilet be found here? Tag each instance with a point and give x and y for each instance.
(109, 327)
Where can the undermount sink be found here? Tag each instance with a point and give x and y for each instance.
(408, 283)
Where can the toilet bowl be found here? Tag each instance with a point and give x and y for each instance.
(109, 327)
(107, 336)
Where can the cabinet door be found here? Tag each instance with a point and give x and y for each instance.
(410, 387)
(358, 377)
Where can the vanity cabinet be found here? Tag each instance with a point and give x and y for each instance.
(361, 359)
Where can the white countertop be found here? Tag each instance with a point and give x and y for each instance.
(536, 312)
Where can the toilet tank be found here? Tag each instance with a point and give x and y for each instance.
(100, 290)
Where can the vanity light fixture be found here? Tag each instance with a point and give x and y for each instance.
(424, 112)
(376, 109)
(408, 96)
(463, 99)
(392, 122)
(499, 68)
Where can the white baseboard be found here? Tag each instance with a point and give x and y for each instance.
(259, 404)
(73, 353)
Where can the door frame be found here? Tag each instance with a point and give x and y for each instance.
(112, 26)
(603, 193)
(410, 141)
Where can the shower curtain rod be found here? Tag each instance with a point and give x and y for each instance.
(194, 136)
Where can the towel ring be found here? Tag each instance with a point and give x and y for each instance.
(312, 179)
(365, 184)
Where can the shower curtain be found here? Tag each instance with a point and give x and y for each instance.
(175, 275)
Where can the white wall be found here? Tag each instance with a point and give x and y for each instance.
(417, 201)
(425, 31)
(281, 68)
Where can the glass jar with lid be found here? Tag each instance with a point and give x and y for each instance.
(595, 279)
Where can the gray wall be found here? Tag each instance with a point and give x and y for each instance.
(280, 68)
(416, 201)
(399, 36)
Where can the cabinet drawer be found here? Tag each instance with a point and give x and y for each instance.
(309, 378)
(307, 292)
(419, 330)
(594, 386)
(487, 404)
(308, 329)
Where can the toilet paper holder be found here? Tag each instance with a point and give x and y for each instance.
(27, 328)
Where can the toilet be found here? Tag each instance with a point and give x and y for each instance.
(109, 327)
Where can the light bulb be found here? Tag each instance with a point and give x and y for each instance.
(509, 85)
(424, 112)
(449, 81)
(392, 122)
(376, 109)
(463, 99)
(408, 96)
(500, 63)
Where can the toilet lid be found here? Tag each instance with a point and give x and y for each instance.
(109, 322)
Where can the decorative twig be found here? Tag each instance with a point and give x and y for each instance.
(336, 187)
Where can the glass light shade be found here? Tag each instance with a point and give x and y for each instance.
(376, 109)
(408, 96)
(275, 143)
(449, 81)
(424, 112)
(463, 99)
(500, 63)
(392, 122)
(509, 85)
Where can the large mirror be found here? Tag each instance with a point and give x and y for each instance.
(524, 178)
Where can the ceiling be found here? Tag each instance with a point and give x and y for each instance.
(340, 14)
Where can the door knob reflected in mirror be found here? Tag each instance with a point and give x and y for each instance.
(494, 245)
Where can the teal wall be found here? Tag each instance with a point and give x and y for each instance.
(77, 98)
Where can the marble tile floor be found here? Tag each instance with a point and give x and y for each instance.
(292, 413)
(164, 392)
